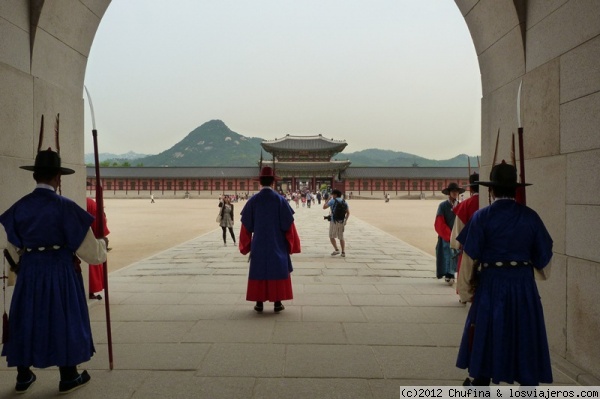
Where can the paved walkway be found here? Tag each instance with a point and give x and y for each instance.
(358, 327)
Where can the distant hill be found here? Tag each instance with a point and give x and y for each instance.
(376, 157)
(214, 144)
(211, 144)
(107, 156)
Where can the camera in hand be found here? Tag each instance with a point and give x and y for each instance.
(328, 218)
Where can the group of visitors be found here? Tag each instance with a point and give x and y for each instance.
(304, 197)
(495, 251)
(234, 197)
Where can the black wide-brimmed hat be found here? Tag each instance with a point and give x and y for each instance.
(453, 187)
(48, 160)
(503, 175)
(472, 180)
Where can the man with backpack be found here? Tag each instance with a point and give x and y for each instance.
(340, 213)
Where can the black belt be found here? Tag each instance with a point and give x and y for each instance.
(44, 249)
(514, 263)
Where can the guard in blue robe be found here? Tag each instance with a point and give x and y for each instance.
(504, 339)
(269, 234)
(49, 320)
(446, 257)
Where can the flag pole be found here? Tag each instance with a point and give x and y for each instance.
(100, 228)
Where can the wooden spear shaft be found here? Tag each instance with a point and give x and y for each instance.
(100, 232)
(522, 167)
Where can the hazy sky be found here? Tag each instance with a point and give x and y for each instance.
(390, 74)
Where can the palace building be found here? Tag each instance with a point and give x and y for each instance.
(301, 162)
(306, 161)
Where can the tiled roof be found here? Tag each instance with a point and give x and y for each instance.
(406, 173)
(304, 143)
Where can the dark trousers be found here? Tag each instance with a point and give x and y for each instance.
(230, 232)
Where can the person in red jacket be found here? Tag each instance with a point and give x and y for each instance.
(96, 274)
(464, 212)
(444, 220)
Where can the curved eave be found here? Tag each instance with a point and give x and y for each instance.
(313, 144)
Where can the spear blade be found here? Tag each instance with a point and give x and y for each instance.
(519, 105)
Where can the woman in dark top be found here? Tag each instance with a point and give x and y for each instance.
(227, 219)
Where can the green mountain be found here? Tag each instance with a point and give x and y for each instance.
(214, 144)
(211, 144)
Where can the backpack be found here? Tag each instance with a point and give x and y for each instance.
(339, 210)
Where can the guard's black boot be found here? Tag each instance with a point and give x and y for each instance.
(278, 307)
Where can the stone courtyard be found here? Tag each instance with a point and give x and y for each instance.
(358, 327)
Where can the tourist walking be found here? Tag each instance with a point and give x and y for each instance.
(504, 338)
(152, 198)
(49, 320)
(268, 234)
(444, 220)
(226, 218)
(340, 212)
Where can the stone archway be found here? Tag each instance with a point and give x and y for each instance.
(45, 45)
(43, 56)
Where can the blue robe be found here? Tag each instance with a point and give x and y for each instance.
(445, 257)
(49, 320)
(505, 335)
(268, 216)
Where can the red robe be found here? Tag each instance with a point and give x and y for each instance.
(96, 275)
(465, 210)
(270, 290)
